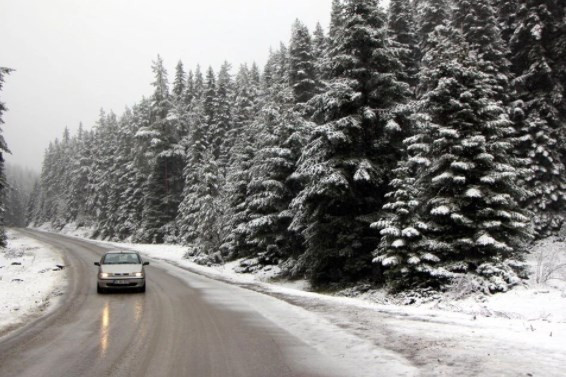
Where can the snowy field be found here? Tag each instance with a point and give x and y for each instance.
(519, 333)
(30, 281)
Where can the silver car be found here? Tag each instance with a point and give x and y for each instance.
(121, 270)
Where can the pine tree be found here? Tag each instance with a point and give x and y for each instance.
(280, 133)
(480, 28)
(199, 83)
(81, 170)
(20, 186)
(319, 51)
(223, 113)
(255, 76)
(301, 63)
(336, 20)
(455, 205)
(103, 175)
(431, 13)
(137, 171)
(33, 205)
(189, 94)
(540, 108)
(242, 139)
(507, 13)
(346, 164)
(179, 85)
(3, 149)
(276, 71)
(402, 30)
(267, 79)
(198, 212)
(165, 184)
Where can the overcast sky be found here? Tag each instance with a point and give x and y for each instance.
(73, 57)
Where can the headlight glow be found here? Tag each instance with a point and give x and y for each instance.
(104, 275)
(139, 274)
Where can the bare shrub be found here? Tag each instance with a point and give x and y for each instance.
(550, 261)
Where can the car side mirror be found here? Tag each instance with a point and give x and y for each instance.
(146, 263)
(97, 263)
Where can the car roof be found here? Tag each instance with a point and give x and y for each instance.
(121, 252)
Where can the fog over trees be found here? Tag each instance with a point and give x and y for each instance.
(407, 147)
(3, 149)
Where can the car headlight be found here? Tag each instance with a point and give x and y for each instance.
(104, 275)
(139, 274)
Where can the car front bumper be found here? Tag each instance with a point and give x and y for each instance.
(121, 283)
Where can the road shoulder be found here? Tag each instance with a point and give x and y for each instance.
(33, 279)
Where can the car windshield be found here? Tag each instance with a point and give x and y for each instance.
(122, 258)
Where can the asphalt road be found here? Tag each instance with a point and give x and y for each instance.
(171, 330)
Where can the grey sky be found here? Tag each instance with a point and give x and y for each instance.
(73, 57)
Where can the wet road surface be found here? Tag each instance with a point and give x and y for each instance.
(171, 330)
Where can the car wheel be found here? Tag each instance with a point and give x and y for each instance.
(142, 289)
(99, 289)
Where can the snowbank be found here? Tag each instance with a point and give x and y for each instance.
(533, 302)
(521, 332)
(30, 281)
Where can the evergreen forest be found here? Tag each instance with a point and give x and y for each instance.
(408, 147)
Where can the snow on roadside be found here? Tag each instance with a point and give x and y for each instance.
(545, 304)
(71, 229)
(522, 332)
(533, 303)
(30, 281)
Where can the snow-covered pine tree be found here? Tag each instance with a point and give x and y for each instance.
(165, 184)
(430, 14)
(33, 204)
(301, 63)
(103, 197)
(242, 140)
(49, 184)
(267, 76)
(345, 167)
(400, 226)
(189, 90)
(179, 84)
(280, 133)
(255, 75)
(20, 183)
(319, 51)
(402, 30)
(209, 93)
(507, 13)
(116, 224)
(137, 171)
(80, 163)
(199, 214)
(3, 149)
(336, 20)
(541, 107)
(468, 218)
(87, 168)
(477, 20)
(199, 82)
(223, 121)
(276, 68)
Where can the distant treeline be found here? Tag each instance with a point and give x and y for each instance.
(3, 149)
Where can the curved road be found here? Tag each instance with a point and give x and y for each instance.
(171, 330)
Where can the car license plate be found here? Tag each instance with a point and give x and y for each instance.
(118, 282)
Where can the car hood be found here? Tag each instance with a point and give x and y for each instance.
(121, 268)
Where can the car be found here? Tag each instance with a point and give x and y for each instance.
(121, 270)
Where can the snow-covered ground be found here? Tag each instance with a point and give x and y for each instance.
(30, 281)
(519, 333)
